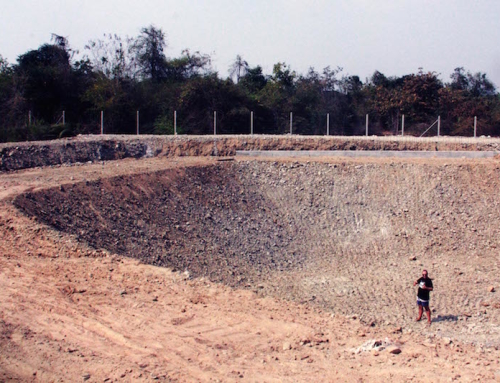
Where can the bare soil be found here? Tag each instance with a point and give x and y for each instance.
(249, 270)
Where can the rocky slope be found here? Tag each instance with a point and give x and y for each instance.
(349, 237)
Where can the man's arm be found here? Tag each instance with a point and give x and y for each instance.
(430, 287)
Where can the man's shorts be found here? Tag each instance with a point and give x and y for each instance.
(422, 303)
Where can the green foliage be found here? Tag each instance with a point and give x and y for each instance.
(42, 131)
(46, 76)
(187, 66)
(253, 81)
(148, 48)
(202, 96)
(123, 75)
(165, 125)
(474, 85)
(466, 96)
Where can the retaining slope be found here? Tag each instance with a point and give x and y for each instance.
(15, 156)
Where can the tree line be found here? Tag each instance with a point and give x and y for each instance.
(121, 75)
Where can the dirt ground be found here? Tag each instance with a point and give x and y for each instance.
(69, 312)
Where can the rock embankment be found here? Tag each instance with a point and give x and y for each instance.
(82, 149)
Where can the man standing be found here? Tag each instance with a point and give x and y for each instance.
(424, 287)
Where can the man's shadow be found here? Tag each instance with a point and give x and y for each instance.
(445, 318)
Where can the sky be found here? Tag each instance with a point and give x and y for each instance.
(395, 37)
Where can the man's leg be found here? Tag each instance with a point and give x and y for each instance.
(428, 313)
(420, 312)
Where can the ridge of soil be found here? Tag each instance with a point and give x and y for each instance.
(82, 149)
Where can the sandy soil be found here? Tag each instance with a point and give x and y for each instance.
(71, 313)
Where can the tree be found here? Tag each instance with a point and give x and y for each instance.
(112, 56)
(420, 96)
(459, 79)
(329, 78)
(475, 85)
(355, 103)
(42, 84)
(9, 100)
(470, 95)
(122, 75)
(350, 85)
(203, 95)
(385, 100)
(306, 104)
(4, 65)
(47, 79)
(253, 80)
(276, 96)
(414, 95)
(238, 68)
(481, 86)
(283, 76)
(187, 66)
(379, 79)
(148, 49)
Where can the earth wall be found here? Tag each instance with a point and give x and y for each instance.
(82, 149)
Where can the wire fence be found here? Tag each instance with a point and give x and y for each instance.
(405, 130)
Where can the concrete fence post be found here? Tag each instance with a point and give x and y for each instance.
(137, 121)
(175, 123)
(215, 123)
(251, 123)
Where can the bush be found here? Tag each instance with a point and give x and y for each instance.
(165, 125)
(42, 131)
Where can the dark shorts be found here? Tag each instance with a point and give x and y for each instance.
(422, 303)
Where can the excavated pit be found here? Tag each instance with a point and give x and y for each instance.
(347, 237)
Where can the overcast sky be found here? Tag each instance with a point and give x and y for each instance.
(395, 37)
